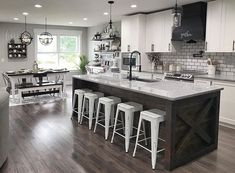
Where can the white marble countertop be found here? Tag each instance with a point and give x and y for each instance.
(230, 78)
(166, 89)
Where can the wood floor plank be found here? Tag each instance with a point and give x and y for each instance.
(43, 139)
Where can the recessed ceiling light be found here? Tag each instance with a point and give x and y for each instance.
(105, 13)
(38, 6)
(70, 23)
(25, 13)
(85, 18)
(16, 18)
(133, 6)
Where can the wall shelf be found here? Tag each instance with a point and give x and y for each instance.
(17, 50)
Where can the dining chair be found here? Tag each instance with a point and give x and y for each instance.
(7, 83)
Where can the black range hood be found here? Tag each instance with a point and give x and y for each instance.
(193, 26)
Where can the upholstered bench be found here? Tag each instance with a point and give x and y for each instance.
(4, 125)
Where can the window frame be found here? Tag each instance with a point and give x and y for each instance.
(58, 33)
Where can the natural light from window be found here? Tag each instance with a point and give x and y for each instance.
(63, 52)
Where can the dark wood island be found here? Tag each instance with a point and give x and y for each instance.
(192, 112)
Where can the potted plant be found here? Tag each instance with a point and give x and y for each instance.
(82, 65)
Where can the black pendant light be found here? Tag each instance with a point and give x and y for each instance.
(177, 15)
(45, 38)
(26, 37)
(110, 26)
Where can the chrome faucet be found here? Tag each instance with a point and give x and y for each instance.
(130, 63)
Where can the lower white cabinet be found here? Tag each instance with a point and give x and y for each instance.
(227, 101)
(227, 98)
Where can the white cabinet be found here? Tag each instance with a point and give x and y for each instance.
(133, 33)
(220, 35)
(228, 26)
(213, 26)
(227, 98)
(154, 30)
(158, 32)
(227, 102)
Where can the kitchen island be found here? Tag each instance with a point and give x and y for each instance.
(192, 112)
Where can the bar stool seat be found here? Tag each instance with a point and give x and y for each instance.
(109, 108)
(79, 96)
(129, 109)
(155, 117)
(92, 99)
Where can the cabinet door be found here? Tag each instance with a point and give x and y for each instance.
(130, 33)
(154, 32)
(228, 26)
(150, 45)
(213, 26)
(125, 37)
(227, 102)
(168, 23)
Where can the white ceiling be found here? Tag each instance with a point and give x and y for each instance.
(61, 12)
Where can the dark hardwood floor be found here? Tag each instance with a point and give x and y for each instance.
(44, 139)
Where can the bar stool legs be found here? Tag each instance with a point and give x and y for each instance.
(107, 120)
(155, 117)
(129, 109)
(109, 104)
(91, 112)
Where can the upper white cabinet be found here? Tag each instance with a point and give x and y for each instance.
(133, 33)
(220, 35)
(158, 32)
(228, 26)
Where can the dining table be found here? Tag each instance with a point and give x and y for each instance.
(56, 74)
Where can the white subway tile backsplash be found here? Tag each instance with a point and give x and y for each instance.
(184, 56)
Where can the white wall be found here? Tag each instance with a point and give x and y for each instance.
(13, 30)
(92, 31)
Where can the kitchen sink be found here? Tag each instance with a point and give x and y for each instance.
(145, 80)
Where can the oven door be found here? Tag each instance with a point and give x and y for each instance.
(126, 61)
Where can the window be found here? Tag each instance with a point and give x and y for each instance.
(63, 52)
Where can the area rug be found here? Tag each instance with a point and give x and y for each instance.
(36, 99)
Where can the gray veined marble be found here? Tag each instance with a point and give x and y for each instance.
(171, 90)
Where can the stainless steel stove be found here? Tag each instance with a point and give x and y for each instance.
(183, 75)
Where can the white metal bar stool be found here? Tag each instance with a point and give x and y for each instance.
(155, 117)
(109, 109)
(79, 96)
(129, 108)
(92, 99)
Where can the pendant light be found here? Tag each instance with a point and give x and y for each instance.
(177, 15)
(110, 26)
(26, 37)
(45, 38)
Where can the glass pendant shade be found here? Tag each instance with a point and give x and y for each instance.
(26, 37)
(110, 26)
(45, 38)
(177, 19)
(177, 15)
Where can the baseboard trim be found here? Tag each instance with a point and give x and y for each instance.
(231, 126)
(227, 121)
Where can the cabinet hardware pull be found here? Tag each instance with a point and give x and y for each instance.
(169, 47)
(128, 48)
(233, 45)
(152, 47)
(206, 46)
